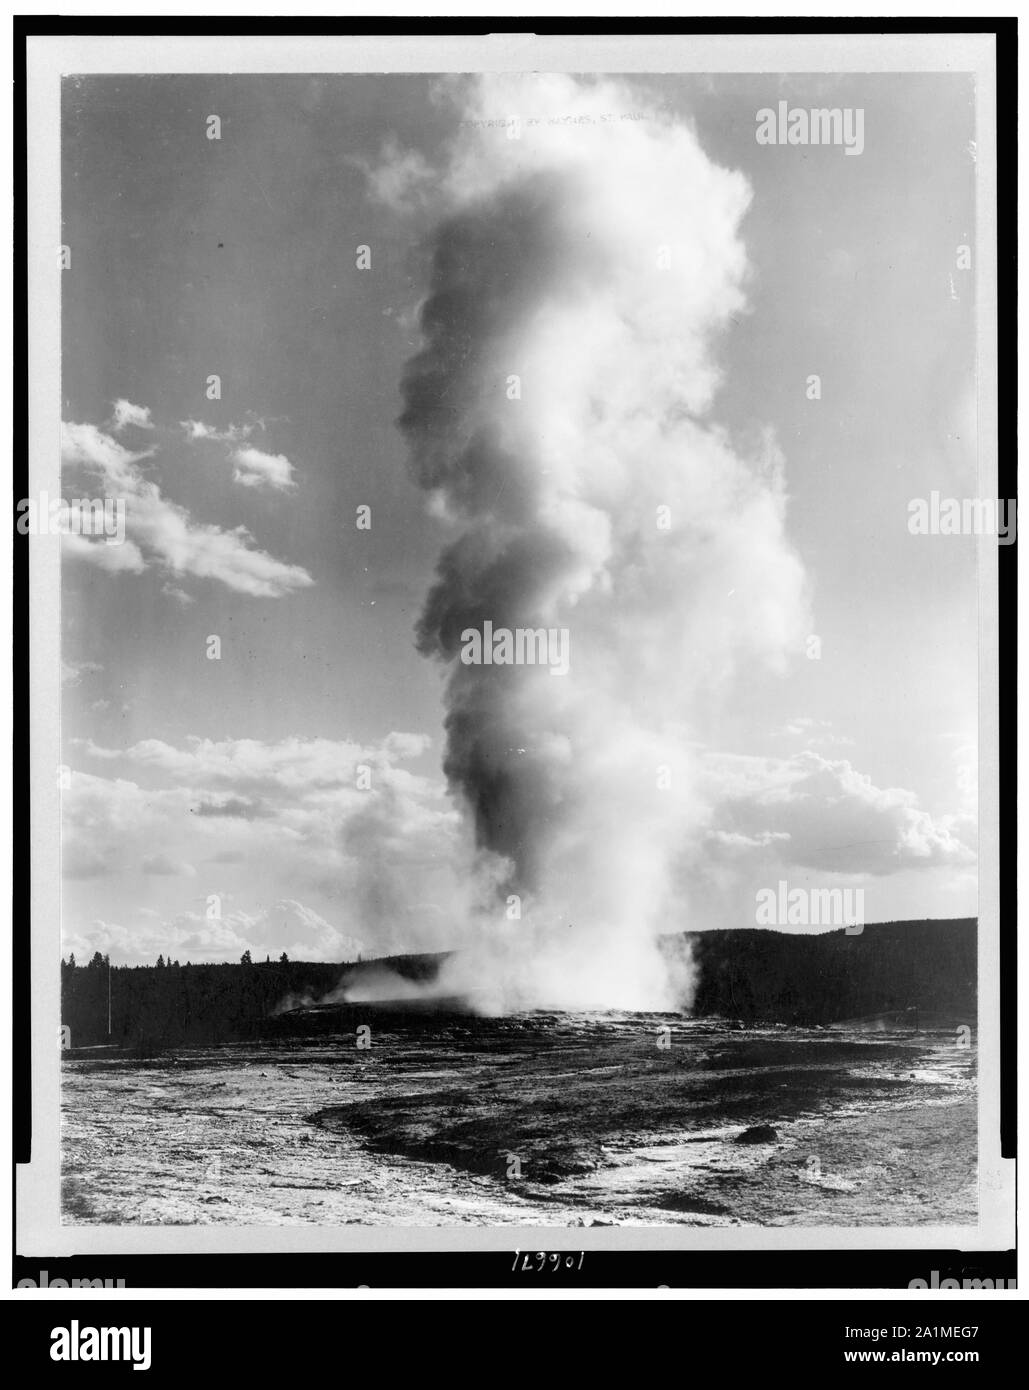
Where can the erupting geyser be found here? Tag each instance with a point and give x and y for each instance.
(586, 255)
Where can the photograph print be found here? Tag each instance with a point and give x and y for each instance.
(521, 547)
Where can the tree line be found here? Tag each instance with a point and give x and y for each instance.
(168, 1004)
(922, 967)
(916, 968)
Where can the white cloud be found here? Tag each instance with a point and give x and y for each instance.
(254, 468)
(401, 178)
(802, 725)
(251, 467)
(179, 595)
(232, 434)
(166, 867)
(389, 863)
(164, 532)
(108, 823)
(286, 925)
(379, 848)
(817, 733)
(822, 814)
(298, 930)
(124, 558)
(125, 413)
(291, 767)
(73, 671)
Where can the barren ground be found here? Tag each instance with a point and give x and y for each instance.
(539, 1119)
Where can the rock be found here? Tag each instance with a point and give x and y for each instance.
(757, 1134)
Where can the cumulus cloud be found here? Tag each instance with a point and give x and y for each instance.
(284, 925)
(816, 733)
(79, 861)
(254, 468)
(289, 766)
(73, 671)
(348, 824)
(825, 815)
(385, 855)
(125, 413)
(125, 558)
(251, 467)
(242, 807)
(165, 866)
(124, 945)
(299, 931)
(400, 179)
(100, 818)
(803, 724)
(164, 534)
(232, 434)
(179, 595)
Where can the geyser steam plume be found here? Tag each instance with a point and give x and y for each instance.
(587, 255)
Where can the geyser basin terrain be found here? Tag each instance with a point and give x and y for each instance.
(552, 1119)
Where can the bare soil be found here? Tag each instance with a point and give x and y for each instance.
(537, 1119)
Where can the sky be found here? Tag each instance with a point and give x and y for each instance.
(288, 795)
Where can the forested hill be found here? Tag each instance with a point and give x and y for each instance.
(752, 974)
(749, 974)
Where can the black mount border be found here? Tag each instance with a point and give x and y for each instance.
(855, 1269)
